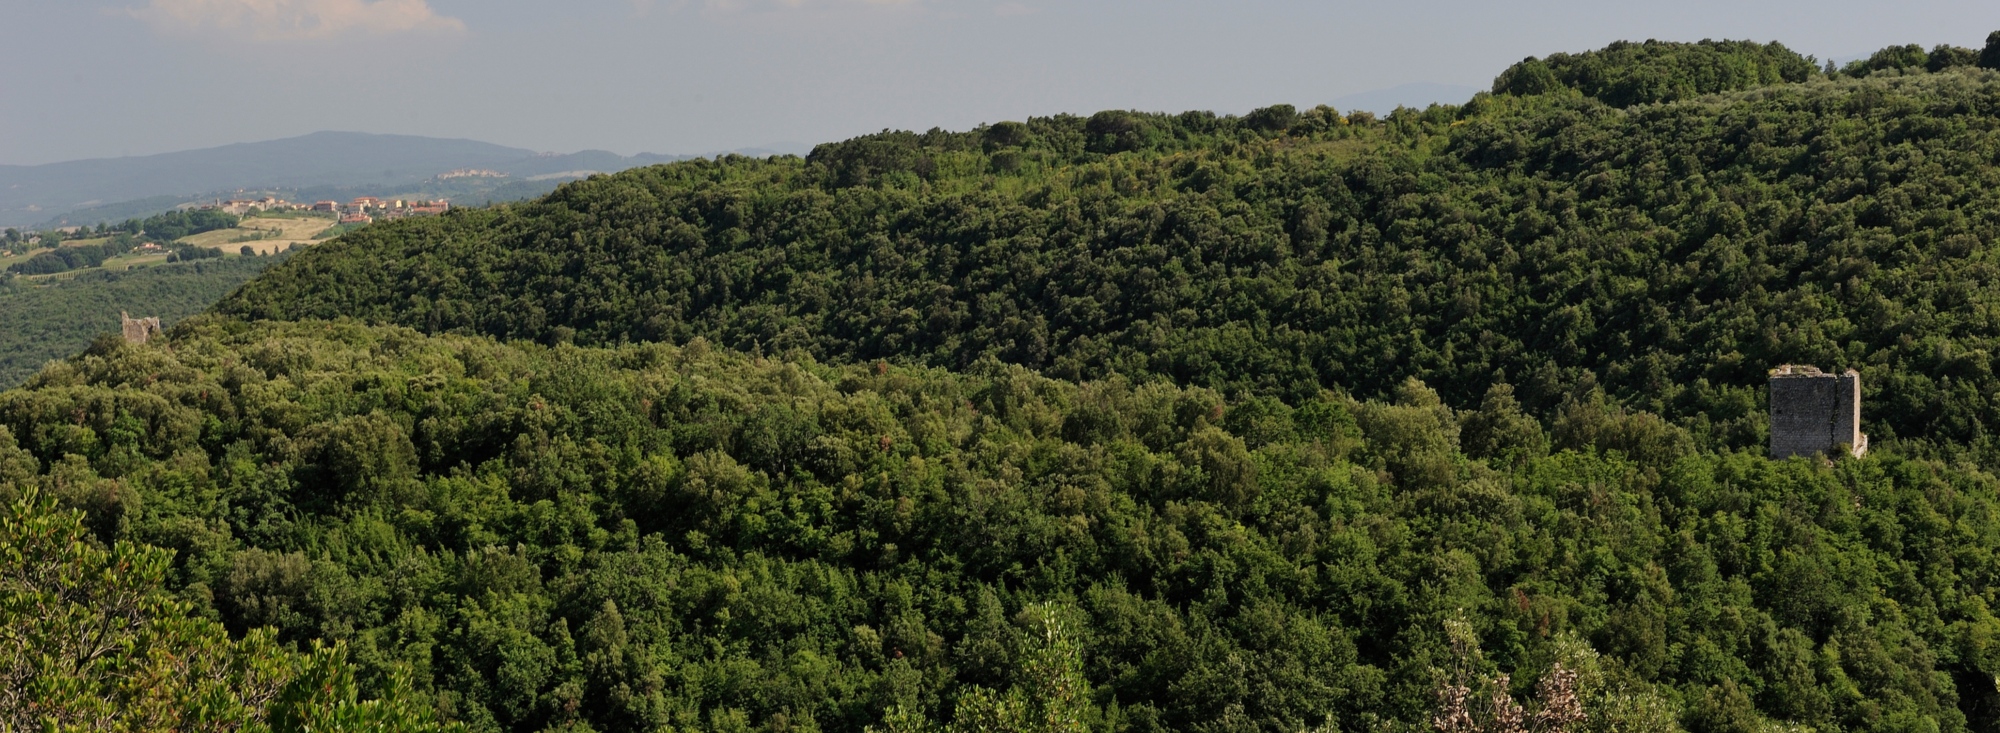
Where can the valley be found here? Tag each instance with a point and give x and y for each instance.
(50, 317)
(54, 307)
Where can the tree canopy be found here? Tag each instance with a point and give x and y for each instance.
(1668, 254)
(93, 641)
(1127, 422)
(651, 536)
(1624, 74)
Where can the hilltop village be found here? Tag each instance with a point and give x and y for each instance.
(361, 210)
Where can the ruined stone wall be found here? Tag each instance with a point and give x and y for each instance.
(1813, 413)
(139, 330)
(1847, 414)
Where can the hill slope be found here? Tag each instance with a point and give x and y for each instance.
(1666, 253)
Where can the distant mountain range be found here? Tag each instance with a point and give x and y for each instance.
(32, 195)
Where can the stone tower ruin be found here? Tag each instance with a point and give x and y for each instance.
(1815, 413)
(139, 330)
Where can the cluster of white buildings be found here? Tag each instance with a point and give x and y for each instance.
(241, 207)
(470, 173)
(369, 208)
(362, 210)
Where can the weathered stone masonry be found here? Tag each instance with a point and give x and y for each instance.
(1815, 413)
(139, 330)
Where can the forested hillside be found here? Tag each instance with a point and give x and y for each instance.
(656, 536)
(1121, 423)
(1669, 253)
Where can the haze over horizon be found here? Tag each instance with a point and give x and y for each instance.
(111, 78)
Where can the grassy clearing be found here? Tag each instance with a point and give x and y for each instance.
(274, 234)
(134, 261)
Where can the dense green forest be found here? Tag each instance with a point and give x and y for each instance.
(1129, 422)
(46, 320)
(657, 536)
(95, 641)
(1665, 253)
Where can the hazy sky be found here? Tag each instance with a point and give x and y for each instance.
(101, 78)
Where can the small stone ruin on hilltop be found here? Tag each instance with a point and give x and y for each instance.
(1814, 413)
(139, 330)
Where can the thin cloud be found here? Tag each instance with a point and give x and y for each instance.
(295, 20)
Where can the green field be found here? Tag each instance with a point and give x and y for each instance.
(264, 234)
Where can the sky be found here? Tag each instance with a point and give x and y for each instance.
(106, 78)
